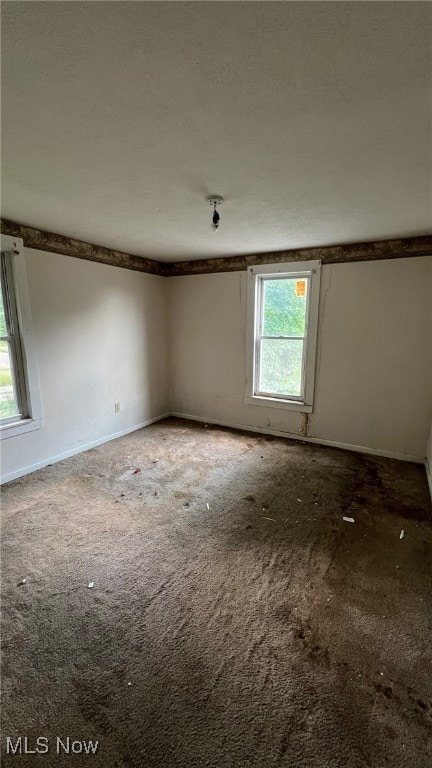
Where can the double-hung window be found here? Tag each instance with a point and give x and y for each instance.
(283, 304)
(19, 387)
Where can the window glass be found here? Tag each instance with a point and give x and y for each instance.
(3, 331)
(284, 307)
(8, 398)
(281, 366)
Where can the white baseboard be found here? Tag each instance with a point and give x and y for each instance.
(78, 449)
(429, 475)
(246, 427)
(316, 440)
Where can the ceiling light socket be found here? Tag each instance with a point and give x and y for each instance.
(215, 200)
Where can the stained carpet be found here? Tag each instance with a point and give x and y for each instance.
(235, 619)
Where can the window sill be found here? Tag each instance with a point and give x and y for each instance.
(275, 402)
(19, 427)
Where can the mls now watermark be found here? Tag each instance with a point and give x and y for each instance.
(42, 745)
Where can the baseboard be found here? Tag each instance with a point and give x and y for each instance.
(429, 475)
(315, 440)
(246, 427)
(79, 449)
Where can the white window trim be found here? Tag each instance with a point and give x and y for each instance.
(311, 269)
(34, 418)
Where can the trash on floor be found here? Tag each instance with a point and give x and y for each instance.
(270, 518)
(23, 581)
(155, 461)
(348, 519)
(90, 585)
(208, 505)
(402, 534)
(136, 471)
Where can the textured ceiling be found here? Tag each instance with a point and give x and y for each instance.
(313, 120)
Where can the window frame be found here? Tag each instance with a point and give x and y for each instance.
(21, 342)
(257, 276)
(13, 339)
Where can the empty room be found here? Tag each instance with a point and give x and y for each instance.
(216, 384)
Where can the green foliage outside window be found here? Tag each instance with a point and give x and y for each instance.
(284, 314)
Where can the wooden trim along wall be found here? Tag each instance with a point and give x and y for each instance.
(68, 246)
(331, 254)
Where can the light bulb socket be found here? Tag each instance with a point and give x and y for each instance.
(215, 200)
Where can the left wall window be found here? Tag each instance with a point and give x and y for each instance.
(19, 387)
(13, 400)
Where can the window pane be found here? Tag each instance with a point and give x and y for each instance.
(3, 331)
(284, 306)
(281, 366)
(8, 399)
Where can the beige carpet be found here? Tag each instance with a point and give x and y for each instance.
(236, 621)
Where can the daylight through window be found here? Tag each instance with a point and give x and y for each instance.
(13, 402)
(281, 338)
(283, 314)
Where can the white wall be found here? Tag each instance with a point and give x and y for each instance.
(373, 384)
(100, 337)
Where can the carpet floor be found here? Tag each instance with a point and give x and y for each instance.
(235, 619)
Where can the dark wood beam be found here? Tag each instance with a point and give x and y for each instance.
(330, 254)
(68, 246)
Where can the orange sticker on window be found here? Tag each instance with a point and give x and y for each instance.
(300, 288)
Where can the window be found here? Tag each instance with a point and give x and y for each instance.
(282, 330)
(19, 390)
(13, 398)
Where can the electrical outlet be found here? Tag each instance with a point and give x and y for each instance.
(116, 407)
